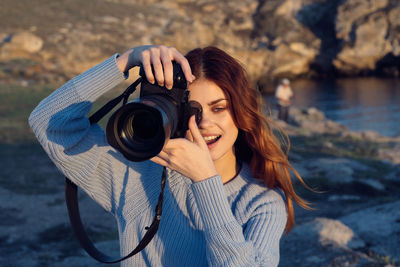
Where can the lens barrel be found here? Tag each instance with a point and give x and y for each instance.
(140, 128)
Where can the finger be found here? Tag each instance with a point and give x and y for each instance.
(194, 130)
(162, 158)
(189, 136)
(145, 58)
(163, 155)
(179, 58)
(173, 145)
(157, 66)
(168, 69)
(159, 161)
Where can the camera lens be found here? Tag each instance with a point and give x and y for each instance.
(139, 129)
(143, 125)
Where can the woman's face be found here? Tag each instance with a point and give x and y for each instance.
(217, 126)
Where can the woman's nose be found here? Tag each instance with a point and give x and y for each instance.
(206, 120)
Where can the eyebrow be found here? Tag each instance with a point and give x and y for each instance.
(216, 101)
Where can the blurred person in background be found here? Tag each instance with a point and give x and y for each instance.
(284, 96)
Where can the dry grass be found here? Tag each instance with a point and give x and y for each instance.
(49, 15)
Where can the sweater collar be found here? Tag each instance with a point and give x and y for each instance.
(244, 177)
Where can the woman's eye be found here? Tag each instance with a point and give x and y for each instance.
(219, 109)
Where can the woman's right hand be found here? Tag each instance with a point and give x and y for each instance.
(158, 56)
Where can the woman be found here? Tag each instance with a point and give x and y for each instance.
(228, 195)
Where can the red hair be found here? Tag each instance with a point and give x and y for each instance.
(256, 143)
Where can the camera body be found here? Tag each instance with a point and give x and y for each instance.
(176, 100)
(140, 129)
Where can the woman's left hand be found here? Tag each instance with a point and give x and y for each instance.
(188, 157)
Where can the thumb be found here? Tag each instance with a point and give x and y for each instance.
(195, 132)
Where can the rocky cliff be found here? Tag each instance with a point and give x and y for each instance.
(44, 41)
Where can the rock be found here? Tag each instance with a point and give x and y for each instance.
(339, 171)
(108, 19)
(394, 22)
(321, 242)
(20, 45)
(362, 238)
(271, 39)
(370, 135)
(380, 226)
(353, 10)
(257, 62)
(370, 45)
(315, 114)
(336, 170)
(314, 121)
(378, 186)
(365, 27)
(294, 45)
(333, 232)
(293, 60)
(343, 198)
(108, 247)
(391, 154)
(394, 176)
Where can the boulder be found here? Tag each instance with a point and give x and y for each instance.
(368, 35)
(394, 175)
(321, 242)
(368, 237)
(391, 154)
(394, 22)
(20, 45)
(313, 121)
(380, 226)
(336, 170)
(370, 44)
(294, 46)
(353, 10)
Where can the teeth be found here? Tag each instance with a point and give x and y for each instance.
(209, 138)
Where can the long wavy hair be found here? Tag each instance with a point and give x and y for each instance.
(256, 143)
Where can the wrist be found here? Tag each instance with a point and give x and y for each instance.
(123, 61)
(205, 175)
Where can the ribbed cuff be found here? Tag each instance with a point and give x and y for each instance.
(99, 79)
(212, 202)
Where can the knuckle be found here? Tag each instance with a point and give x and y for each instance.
(144, 54)
(155, 49)
(171, 51)
(166, 61)
(173, 158)
(185, 61)
(157, 64)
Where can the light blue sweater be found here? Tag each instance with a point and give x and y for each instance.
(203, 224)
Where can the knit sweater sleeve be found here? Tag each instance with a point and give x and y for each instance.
(78, 149)
(231, 244)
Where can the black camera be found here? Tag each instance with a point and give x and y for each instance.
(139, 129)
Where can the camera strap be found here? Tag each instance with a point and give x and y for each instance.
(71, 197)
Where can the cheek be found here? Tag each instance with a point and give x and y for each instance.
(229, 125)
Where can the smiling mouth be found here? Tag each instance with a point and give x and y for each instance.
(211, 139)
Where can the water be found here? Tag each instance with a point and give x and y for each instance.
(359, 103)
